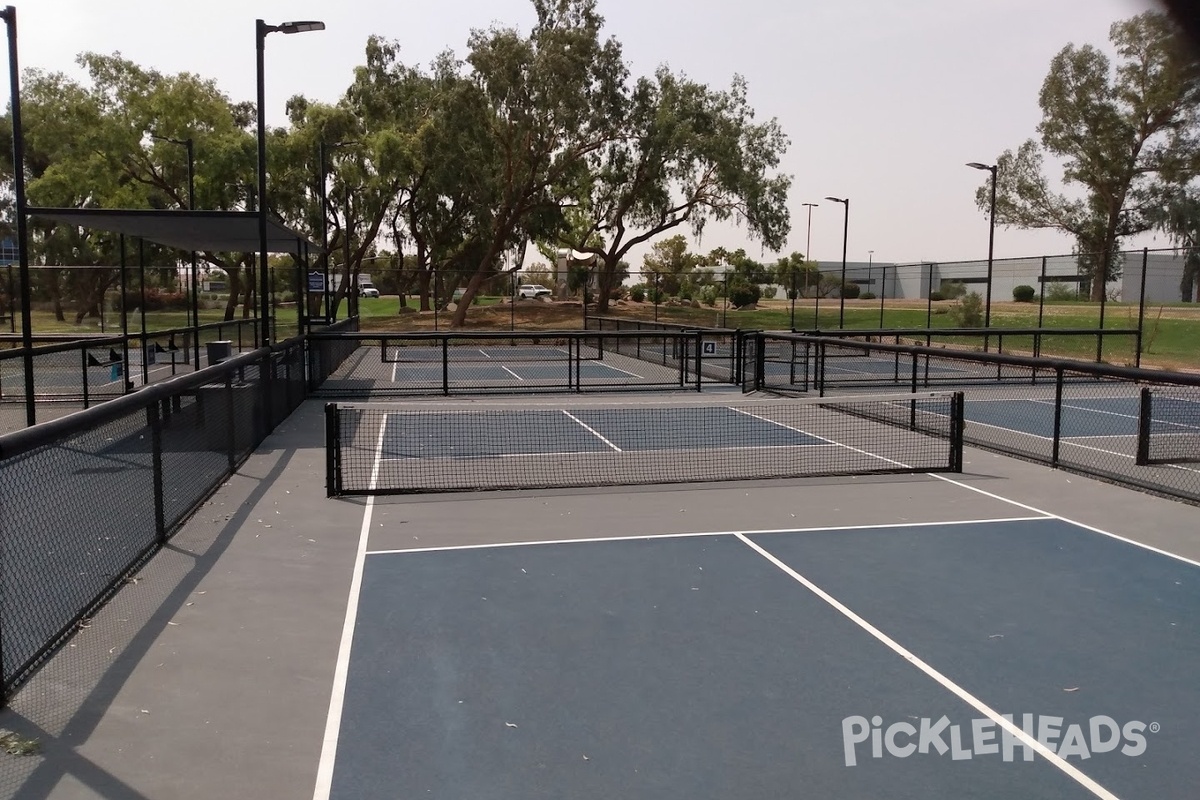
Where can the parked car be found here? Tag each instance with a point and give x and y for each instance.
(532, 291)
(367, 290)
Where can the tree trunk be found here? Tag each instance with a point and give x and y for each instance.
(472, 288)
(605, 287)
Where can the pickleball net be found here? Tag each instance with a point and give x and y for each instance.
(425, 447)
(1169, 425)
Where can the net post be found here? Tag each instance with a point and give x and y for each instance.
(154, 420)
(1058, 401)
(958, 424)
(332, 451)
(1145, 419)
(446, 365)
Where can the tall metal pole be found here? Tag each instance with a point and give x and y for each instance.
(845, 201)
(987, 308)
(264, 288)
(324, 200)
(14, 74)
(808, 257)
(142, 310)
(195, 277)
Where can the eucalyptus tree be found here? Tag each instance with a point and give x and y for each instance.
(1116, 130)
(685, 154)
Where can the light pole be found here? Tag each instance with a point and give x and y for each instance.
(845, 236)
(987, 306)
(261, 29)
(9, 15)
(323, 199)
(190, 146)
(808, 257)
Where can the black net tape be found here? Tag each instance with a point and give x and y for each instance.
(396, 449)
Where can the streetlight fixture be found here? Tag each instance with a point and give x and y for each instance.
(808, 257)
(845, 201)
(261, 29)
(9, 15)
(987, 307)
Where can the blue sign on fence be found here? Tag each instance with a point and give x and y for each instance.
(316, 282)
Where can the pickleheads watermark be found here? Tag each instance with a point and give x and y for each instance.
(986, 737)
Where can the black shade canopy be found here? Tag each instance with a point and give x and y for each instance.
(212, 231)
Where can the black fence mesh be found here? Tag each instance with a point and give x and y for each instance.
(395, 364)
(395, 449)
(85, 500)
(1139, 428)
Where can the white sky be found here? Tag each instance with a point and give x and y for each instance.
(884, 101)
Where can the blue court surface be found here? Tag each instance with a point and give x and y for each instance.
(1026, 658)
(1082, 417)
(568, 431)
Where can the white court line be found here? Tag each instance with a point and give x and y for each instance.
(689, 535)
(822, 438)
(1064, 440)
(1007, 725)
(395, 364)
(618, 369)
(590, 430)
(333, 722)
(510, 372)
(485, 355)
(1067, 520)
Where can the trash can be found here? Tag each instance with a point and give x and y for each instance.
(219, 351)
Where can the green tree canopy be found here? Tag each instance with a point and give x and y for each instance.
(1117, 130)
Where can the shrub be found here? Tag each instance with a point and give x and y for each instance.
(769, 292)
(685, 293)
(617, 294)
(952, 290)
(637, 294)
(743, 294)
(1062, 291)
(1023, 293)
(867, 296)
(968, 311)
(656, 294)
(708, 295)
(850, 291)
(936, 296)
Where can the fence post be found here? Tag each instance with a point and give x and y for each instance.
(882, 295)
(446, 366)
(154, 419)
(84, 358)
(1103, 299)
(929, 301)
(230, 422)
(1058, 401)
(1141, 306)
(699, 360)
(1042, 293)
